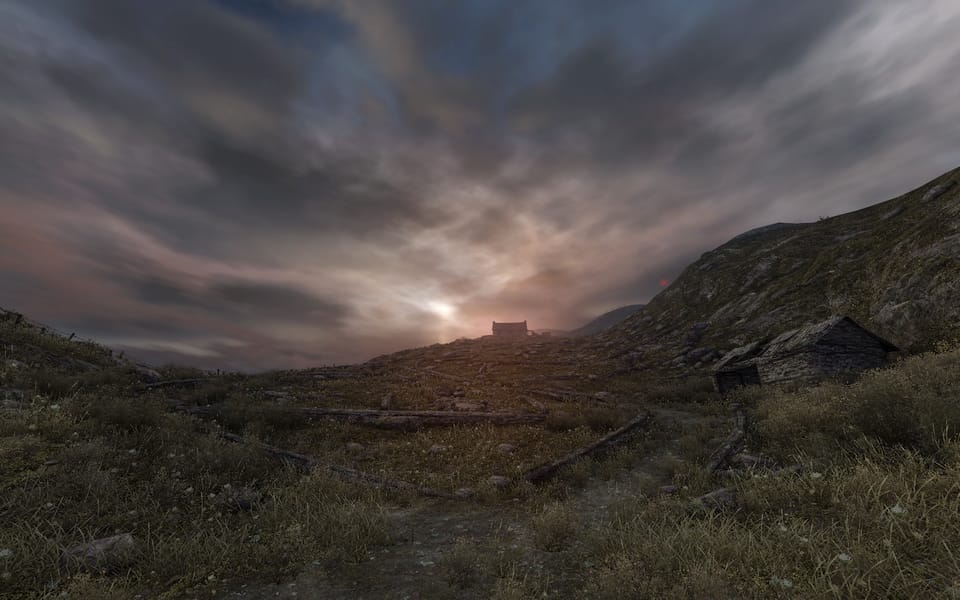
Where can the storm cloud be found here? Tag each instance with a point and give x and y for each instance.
(251, 184)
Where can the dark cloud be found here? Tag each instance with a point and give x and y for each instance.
(607, 105)
(290, 182)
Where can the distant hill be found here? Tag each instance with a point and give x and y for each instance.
(607, 320)
(893, 267)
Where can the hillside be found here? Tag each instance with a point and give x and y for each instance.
(894, 267)
(607, 320)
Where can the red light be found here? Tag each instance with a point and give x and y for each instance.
(664, 283)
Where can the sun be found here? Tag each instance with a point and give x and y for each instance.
(441, 309)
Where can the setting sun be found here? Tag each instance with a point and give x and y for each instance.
(441, 309)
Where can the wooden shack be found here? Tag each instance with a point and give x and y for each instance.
(737, 367)
(510, 329)
(832, 347)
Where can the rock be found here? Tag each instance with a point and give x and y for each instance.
(146, 374)
(721, 499)
(499, 481)
(242, 498)
(601, 396)
(938, 190)
(669, 490)
(276, 394)
(465, 493)
(506, 448)
(14, 364)
(789, 470)
(104, 555)
(438, 448)
(458, 393)
(12, 399)
(700, 354)
(466, 405)
(750, 460)
(355, 448)
(387, 401)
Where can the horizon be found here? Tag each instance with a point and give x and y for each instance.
(272, 184)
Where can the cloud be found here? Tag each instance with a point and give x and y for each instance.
(292, 182)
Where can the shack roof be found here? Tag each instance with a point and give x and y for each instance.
(808, 335)
(739, 357)
(788, 342)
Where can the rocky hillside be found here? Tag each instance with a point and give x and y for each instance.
(607, 320)
(894, 267)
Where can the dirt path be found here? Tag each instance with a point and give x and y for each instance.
(426, 534)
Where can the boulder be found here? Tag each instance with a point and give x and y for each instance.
(146, 374)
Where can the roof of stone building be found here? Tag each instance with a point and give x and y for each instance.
(788, 342)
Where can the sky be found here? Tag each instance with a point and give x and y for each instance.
(266, 184)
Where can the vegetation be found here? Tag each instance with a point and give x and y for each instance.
(90, 453)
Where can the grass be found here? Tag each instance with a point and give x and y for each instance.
(89, 454)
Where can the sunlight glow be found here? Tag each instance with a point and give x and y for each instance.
(441, 309)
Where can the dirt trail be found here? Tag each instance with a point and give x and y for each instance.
(411, 567)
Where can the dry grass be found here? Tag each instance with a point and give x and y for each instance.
(88, 455)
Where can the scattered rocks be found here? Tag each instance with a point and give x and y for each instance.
(717, 500)
(104, 555)
(499, 481)
(507, 448)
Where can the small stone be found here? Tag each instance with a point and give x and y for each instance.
(354, 448)
(243, 498)
(464, 493)
(387, 401)
(668, 490)
(499, 481)
(5, 553)
(721, 499)
(103, 555)
(601, 395)
(438, 448)
(466, 405)
(506, 448)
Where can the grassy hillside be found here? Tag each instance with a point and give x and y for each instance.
(893, 267)
(607, 320)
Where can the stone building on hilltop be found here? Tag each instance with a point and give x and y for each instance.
(510, 329)
(832, 347)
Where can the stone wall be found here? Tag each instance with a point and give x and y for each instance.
(787, 367)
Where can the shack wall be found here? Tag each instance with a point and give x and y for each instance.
(789, 367)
